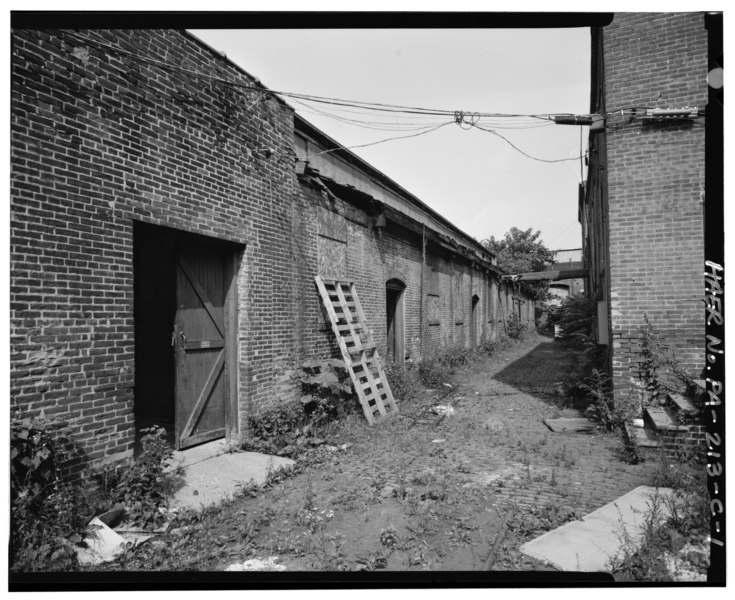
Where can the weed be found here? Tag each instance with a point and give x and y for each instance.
(405, 381)
(274, 423)
(528, 523)
(646, 562)
(145, 487)
(48, 516)
(328, 553)
(514, 327)
(388, 537)
(377, 559)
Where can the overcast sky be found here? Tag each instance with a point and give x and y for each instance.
(473, 178)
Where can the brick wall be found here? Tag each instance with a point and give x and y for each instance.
(655, 185)
(101, 137)
(353, 250)
(106, 132)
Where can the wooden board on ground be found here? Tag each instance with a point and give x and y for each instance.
(573, 425)
(358, 348)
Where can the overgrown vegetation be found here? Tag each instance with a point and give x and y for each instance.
(576, 318)
(50, 516)
(589, 386)
(660, 370)
(521, 251)
(144, 487)
(675, 529)
(514, 327)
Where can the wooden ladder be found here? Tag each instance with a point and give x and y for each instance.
(358, 348)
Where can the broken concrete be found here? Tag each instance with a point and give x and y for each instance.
(662, 420)
(644, 437)
(211, 476)
(590, 544)
(257, 564)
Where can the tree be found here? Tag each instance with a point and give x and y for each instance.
(521, 252)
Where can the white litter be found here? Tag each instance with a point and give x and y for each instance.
(256, 564)
(443, 410)
(103, 544)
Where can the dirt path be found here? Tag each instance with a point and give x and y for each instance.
(425, 491)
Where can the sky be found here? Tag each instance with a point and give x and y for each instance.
(475, 179)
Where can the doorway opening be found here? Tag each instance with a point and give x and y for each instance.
(394, 289)
(185, 322)
(474, 326)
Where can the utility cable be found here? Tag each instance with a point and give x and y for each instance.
(364, 105)
(506, 140)
(400, 137)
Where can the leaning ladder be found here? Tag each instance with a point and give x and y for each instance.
(358, 348)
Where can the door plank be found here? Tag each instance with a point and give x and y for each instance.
(204, 395)
(187, 270)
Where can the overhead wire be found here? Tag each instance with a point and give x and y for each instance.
(400, 137)
(466, 120)
(373, 106)
(507, 141)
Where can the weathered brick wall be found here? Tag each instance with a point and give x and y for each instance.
(107, 131)
(101, 138)
(656, 187)
(354, 251)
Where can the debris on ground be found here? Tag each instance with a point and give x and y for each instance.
(388, 492)
(257, 564)
(103, 544)
(565, 425)
(442, 410)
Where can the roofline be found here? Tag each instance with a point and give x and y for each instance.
(220, 54)
(304, 126)
(300, 123)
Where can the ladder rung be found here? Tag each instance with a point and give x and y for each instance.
(355, 340)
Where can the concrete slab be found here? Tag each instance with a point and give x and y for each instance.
(216, 478)
(197, 454)
(644, 437)
(569, 425)
(682, 404)
(661, 420)
(591, 543)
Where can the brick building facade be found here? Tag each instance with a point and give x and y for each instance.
(164, 241)
(642, 208)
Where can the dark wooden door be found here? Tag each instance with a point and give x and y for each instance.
(199, 338)
(394, 320)
(390, 306)
(473, 321)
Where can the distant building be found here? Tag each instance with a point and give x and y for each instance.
(567, 288)
(642, 208)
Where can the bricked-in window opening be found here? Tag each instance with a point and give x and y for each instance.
(185, 331)
(395, 350)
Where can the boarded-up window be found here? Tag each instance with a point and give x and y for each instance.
(433, 309)
(332, 257)
(332, 245)
(432, 275)
(460, 300)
